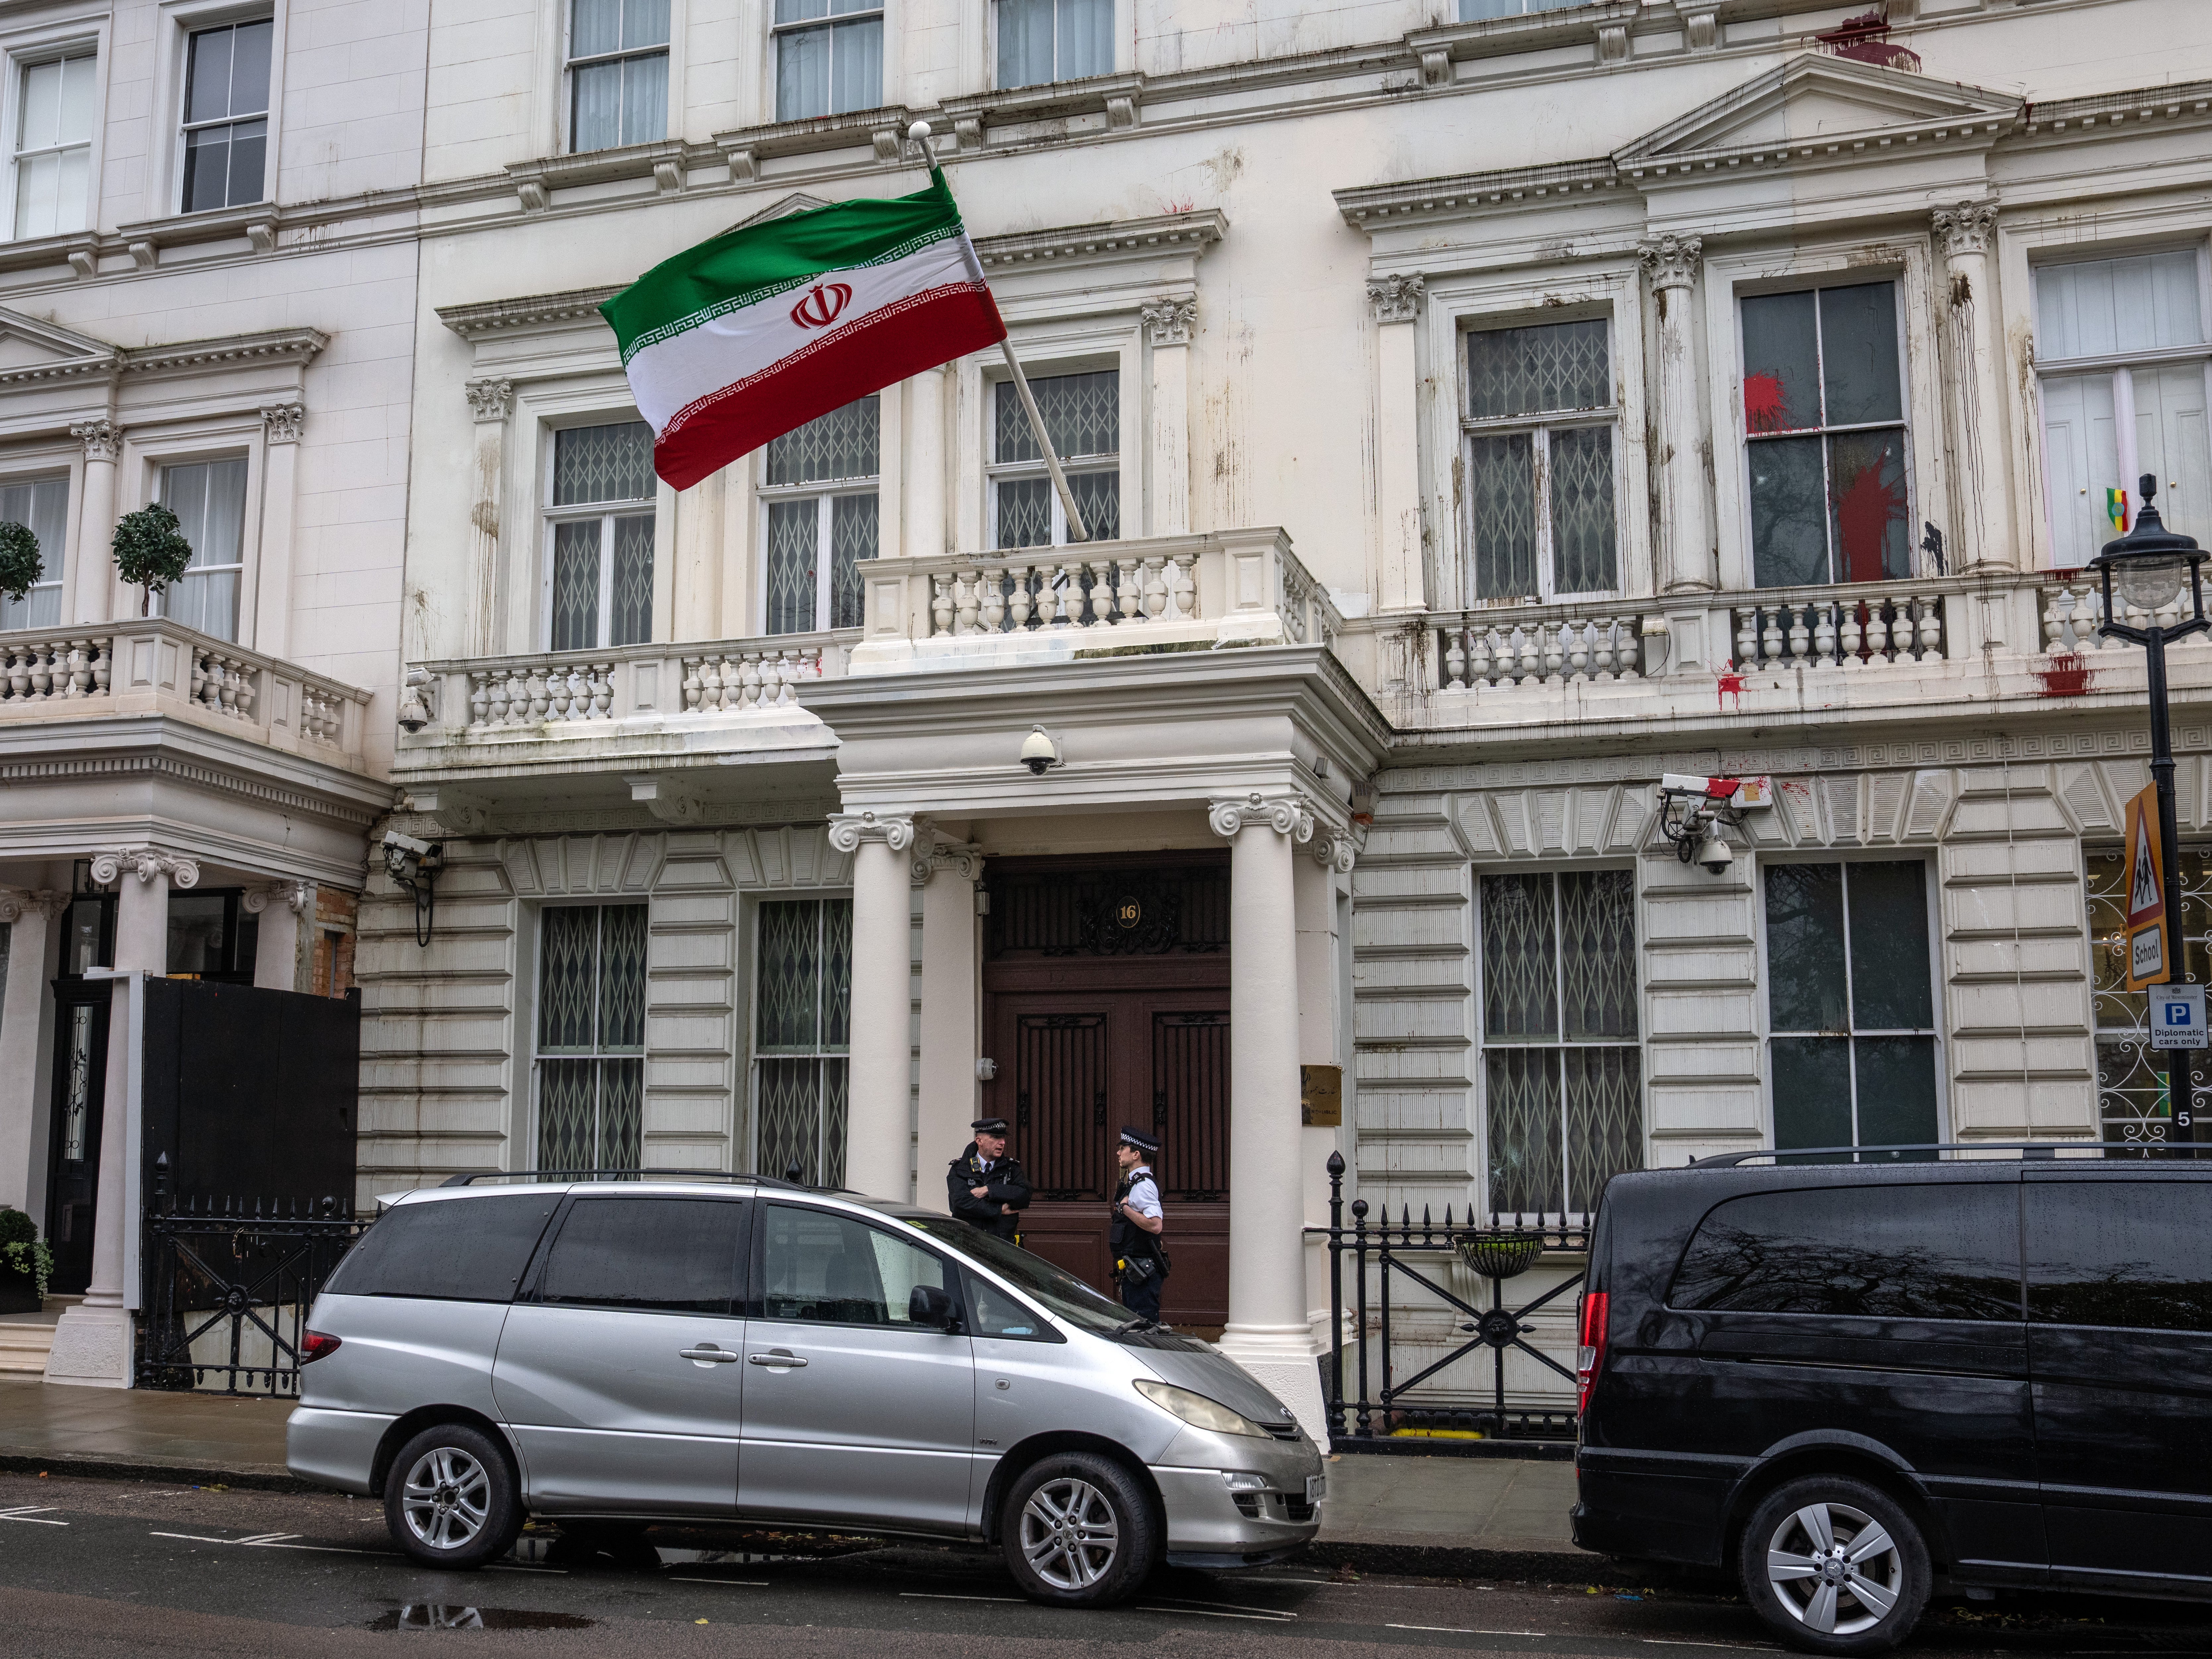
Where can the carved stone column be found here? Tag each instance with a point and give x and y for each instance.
(878, 1124)
(491, 402)
(283, 909)
(23, 1026)
(948, 867)
(1401, 576)
(925, 528)
(272, 605)
(88, 586)
(1169, 319)
(1267, 1332)
(92, 1343)
(1686, 544)
(1973, 395)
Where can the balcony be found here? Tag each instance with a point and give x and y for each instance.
(110, 671)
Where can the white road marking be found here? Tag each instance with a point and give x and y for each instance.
(1740, 1647)
(191, 1537)
(927, 1595)
(1461, 1629)
(1203, 1612)
(734, 1584)
(504, 1567)
(33, 1513)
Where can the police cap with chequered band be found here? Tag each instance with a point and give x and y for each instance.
(989, 1125)
(1139, 1139)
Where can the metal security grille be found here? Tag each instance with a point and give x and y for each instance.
(2132, 1092)
(599, 515)
(820, 490)
(591, 1037)
(1060, 1104)
(1083, 413)
(1109, 912)
(1539, 477)
(1190, 1103)
(803, 1023)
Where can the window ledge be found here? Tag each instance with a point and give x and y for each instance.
(884, 130)
(78, 249)
(1438, 49)
(1119, 98)
(666, 163)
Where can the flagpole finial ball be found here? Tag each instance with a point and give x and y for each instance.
(919, 132)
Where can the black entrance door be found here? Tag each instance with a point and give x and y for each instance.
(73, 1137)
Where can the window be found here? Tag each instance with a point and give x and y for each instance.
(1850, 1004)
(1062, 1293)
(1562, 1077)
(832, 1270)
(1935, 1252)
(2134, 1255)
(1824, 416)
(1046, 40)
(213, 936)
(600, 575)
(2131, 1082)
(647, 1256)
(209, 498)
(820, 489)
(1474, 11)
(803, 1032)
(53, 147)
(2107, 419)
(225, 116)
(1539, 471)
(829, 56)
(591, 1037)
(458, 1249)
(41, 507)
(618, 73)
(1083, 413)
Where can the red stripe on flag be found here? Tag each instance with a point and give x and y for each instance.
(902, 339)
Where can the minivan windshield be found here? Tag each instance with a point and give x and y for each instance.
(1060, 1291)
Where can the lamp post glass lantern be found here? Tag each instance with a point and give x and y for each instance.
(2149, 566)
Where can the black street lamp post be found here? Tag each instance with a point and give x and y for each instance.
(2148, 565)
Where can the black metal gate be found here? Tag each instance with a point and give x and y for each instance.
(1368, 1402)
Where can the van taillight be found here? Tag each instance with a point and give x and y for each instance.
(314, 1344)
(1592, 1354)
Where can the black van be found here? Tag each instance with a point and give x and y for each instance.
(1853, 1384)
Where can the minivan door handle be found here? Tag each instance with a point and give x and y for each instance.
(779, 1358)
(708, 1355)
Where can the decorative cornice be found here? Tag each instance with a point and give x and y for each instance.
(1168, 319)
(205, 777)
(1120, 240)
(145, 863)
(848, 829)
(295, 895)
(283, 422)
(1671, 261)
(283, 346)
(1396, 298)
(473, 322)
(101, 441)
(490, 400)
(1287, 815)
(1966, 228)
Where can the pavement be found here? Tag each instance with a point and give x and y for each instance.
(1386, 1512)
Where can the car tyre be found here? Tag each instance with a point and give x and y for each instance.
(1834, 1565)
(1078, 1531)
(451, 1499)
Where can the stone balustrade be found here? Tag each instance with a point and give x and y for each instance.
(1537, 644)
(154, 666)
(2073, 610)
(1856, 626)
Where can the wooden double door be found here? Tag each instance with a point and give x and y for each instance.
(1084, 1047)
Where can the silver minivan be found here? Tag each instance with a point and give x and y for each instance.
(742, 1350)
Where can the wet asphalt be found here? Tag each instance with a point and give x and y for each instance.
(101, 1569)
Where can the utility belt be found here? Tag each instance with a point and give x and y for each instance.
(1137, 1259)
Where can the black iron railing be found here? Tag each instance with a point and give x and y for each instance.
(1368, 1402)
(229, 1286)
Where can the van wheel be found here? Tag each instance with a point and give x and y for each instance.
(450, 1500)
(1834, 1565)
(1077, 1531)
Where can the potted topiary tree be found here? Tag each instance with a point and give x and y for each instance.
(150, 550)
(26, 1264)
(19, 564)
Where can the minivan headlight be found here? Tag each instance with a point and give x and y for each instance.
(1197, 1410)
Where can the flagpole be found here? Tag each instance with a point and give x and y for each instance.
(1076, 530)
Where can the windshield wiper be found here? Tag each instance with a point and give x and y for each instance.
(1140, 1323)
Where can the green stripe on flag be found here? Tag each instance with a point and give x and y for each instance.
(745, 266)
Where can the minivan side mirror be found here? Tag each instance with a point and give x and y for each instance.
(928, 1306)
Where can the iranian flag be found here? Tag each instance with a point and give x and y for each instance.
(743, 338)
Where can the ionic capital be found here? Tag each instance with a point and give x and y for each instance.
(848, 829)
(1396, 298)
(490, 400)
(14, 902)
(294, 895)
(934, 852)
(146, 863)
(1334, 849)
(1287, 815)
(1966, 229)
(1671, 261)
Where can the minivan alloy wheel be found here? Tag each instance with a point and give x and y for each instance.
(1069, 1535)
(448, 1497)
(1834, 1568)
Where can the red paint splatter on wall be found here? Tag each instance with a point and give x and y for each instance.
(1763, 400)
(1865, 510)
(2066, 676)
(1731, 684)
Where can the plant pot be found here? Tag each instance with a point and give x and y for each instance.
(19, 1292)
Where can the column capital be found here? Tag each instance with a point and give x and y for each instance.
(1334, 849)
(14, 902)
(145, 863)
(848, 829)
(1396, 298)
(294, 895)
(1966, 229)
(1671, 261)
(101, 441)
(490, 400)
(1287, 815)
(283, 422)
(934, 851)
(1168, 319)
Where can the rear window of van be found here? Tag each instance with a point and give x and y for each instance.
(455, 1249)
(1874, 1252)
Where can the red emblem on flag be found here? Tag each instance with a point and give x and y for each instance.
(824, 304)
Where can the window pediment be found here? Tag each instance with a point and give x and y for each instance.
(32, 351)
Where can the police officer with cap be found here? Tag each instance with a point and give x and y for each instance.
(986, 1187)
(1139, 1263)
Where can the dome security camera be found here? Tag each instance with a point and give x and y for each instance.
(1039, 752)
(1714, 854)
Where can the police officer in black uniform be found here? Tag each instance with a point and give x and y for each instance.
(986, 1187)
(1141, 1264)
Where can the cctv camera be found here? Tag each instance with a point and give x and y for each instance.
(392, 838)
(1039, 752)
(1714, 854)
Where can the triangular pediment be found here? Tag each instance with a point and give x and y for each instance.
(798, 201)
(27, 342)
(1814, 98)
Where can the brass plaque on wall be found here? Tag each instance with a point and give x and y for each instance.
(1320, 1096)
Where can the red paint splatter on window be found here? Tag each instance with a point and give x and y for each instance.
(1865, 509)
(1763, 400)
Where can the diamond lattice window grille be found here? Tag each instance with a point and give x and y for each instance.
(803, 1022)
(1540, 370)
(853, 536)
(1083, 413)
(1597, 954)
(1583, 533)
(792, 529)
(1520, 967)
(839, 447)
(1523, 1095)
(1502, 485)
(591, 1035)
(1025, 513)
(603, 464)
(632, 622)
